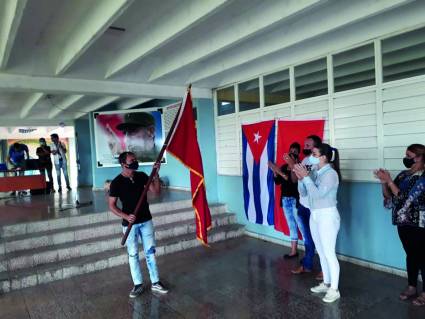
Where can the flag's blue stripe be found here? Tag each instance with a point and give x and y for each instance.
(257, 192)
(270, 181)
(245, 175)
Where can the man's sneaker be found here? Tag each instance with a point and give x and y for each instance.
(68, 188)
(331, 295)
(60, 190)
(159, 288)
(136, 291)
(320, 288)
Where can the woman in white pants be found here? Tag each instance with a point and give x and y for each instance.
(324, 218)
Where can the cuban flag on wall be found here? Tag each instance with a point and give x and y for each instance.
(258, 185)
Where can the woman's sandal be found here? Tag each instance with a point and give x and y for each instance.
(408, 293)
(420, 300)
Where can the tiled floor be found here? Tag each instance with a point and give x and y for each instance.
(241, 278)
(29, 208)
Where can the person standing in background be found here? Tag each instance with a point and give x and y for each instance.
(45, 162)
(303, 212)
(289, 197)
(59, 154)
(324, 216)
(16, 157)
(406, 197)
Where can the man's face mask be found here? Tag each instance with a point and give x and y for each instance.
(306, 152)
(133, 165)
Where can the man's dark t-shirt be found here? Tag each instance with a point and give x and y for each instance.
(44, 160)
(129, 193)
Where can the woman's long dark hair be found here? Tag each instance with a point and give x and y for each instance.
(332, 156)
(418, 150)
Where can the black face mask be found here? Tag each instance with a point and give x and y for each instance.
(306, 152)
(408, 162)
(134, 165)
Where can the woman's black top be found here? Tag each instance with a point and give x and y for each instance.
(288, 187)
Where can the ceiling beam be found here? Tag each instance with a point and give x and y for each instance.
(87, 31)
(167, 29)
(129, 103)
(56, 85)
(11, 12)
(96, 105)
(64, 104)
(324, 20)
(238, 29)
(30, 103)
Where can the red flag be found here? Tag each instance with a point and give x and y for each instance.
(184, 146)
(287, 133)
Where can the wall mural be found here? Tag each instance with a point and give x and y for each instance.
(140, 132)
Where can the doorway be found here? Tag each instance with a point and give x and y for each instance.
(30, 136)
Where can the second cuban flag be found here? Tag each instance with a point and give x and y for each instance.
(258, 185)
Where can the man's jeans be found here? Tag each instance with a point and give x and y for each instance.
(146, 232)
(303, 221)
(62, 165)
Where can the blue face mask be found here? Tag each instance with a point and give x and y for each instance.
(313, 160)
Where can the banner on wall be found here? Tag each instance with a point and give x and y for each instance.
(288, 132)
(137, 131)
(258, 185)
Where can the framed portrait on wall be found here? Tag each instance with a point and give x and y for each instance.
(137, 131)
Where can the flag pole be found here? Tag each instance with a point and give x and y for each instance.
(154, 170)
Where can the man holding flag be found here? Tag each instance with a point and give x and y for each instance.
(182, 143)
(127, 187)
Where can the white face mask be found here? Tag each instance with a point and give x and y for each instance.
(314, 160)
(137, 145)
(140, 141)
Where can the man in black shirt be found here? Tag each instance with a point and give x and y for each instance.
(127, 187)
(289, 196)
(45, 162)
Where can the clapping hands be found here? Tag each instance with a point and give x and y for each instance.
(289, 160)
(383, 175)
(300, 171)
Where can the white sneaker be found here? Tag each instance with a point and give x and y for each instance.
(332, 295)
(320, 288)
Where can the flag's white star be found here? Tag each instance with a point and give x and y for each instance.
(257, 137)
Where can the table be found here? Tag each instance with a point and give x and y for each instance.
(19, 183)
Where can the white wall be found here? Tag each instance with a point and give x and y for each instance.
(371, 126)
